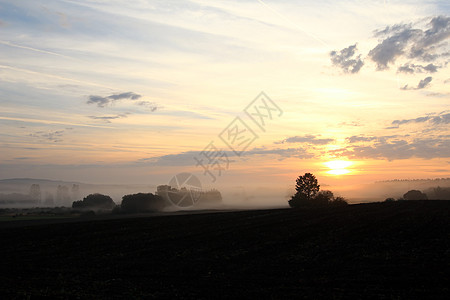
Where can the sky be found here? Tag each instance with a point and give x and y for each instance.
(235, 92)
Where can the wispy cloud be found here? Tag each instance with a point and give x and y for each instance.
(395, 149)
(104, 101)
(152, 106)
(107, 119)
(309, 139)
(7, 43)
(442, 118)
(51, 136)
(187, 158)
(41, 121)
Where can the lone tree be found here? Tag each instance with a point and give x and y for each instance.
(308, 194)
(306, 189)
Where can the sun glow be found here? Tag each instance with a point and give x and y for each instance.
(338, 167)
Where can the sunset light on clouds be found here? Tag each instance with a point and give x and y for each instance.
(124, 92)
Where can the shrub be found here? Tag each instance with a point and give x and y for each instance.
(142, 202)
(338, 201)
(94, 201)
(415, 195)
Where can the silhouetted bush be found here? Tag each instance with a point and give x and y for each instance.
(323, 198)
(142, 202)
(94, 201)
(415, 195)
(338, 201)
(389, 199)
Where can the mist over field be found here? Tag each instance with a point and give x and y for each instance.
(237, 197)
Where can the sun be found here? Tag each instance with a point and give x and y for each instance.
(338, 167)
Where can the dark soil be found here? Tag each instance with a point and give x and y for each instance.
(398, 250)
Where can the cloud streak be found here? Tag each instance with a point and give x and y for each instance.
(442, 118)
(51, 136)
(187, 158)
(107, 119)
(309, 139)
(108, 100)
(427, 148)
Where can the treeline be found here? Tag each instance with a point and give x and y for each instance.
(138, 203)
(437, 193)
(134, 203)
(418, 179)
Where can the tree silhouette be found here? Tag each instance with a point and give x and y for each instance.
(338, 201)
(415, 195)
(323, 198)
(94, 201)
(308, 194)
(142, 202)
(306, 189)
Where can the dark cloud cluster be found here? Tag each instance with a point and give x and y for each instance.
(346, 59)
(393, 46)
(412, 43)
(412, 68)
(442, 118)
(310, 139)
(421, 85)
(105, 101)
(422, 47)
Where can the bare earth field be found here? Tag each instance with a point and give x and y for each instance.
(397, 250)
